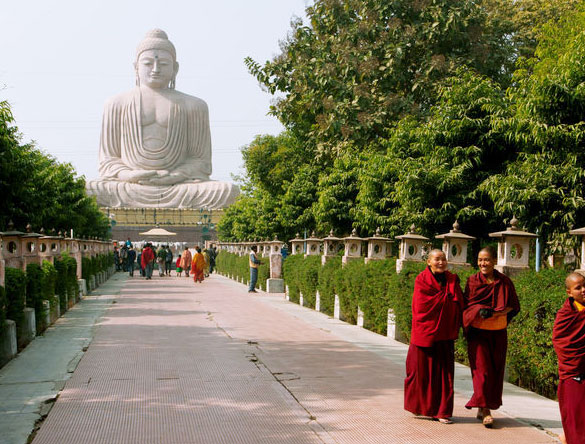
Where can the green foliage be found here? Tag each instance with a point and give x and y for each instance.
(291, 273)
(36, 189)
(326, 284)
(359, 65)
(2, 307)
(49, 281)
(239, 267)
(61, 283)
(34, 293)
(532, 362)
(15, 281)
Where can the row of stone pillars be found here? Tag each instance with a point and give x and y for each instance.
(513, 253)
(18, 249)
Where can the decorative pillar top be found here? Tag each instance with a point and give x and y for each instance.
(513, 246)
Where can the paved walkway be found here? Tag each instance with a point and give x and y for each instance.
(175, 362)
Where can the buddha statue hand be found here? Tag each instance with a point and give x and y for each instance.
(164, 177)
(135, 176)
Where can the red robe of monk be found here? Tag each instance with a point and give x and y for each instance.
(198, 267)
(569, 344)
(430, 363)
(487, 348)
(146, 257)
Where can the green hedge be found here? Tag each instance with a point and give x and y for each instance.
(15, 281)
(49, 282)
(532, 362)
(66, 283)
(34, 294)
(376, 287)
(2, 307)
(238, 266)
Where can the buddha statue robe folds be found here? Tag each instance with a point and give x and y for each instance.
(155, 148)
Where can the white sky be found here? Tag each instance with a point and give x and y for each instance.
(60, 61)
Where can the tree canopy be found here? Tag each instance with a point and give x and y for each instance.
(426, 111)
(37, 189)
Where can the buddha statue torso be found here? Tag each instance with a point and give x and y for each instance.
(155, 147)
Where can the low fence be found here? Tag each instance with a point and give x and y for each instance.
(377, 294)
(41, 277)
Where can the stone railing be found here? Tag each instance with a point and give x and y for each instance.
(18, 249)
(513, 250)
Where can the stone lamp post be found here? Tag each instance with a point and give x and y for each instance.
(30, 247)
(379, 247)
(12, 246)
(455, 245)
(313, 245)
(297, 244)
(353, 247)
(330, 244)
(275, 284)
(580, 232)
(513, 248)
(412, 248)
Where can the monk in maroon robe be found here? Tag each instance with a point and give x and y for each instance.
(490, 303)
(569, 344)
(436, 319)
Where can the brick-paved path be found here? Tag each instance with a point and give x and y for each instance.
(173, 362)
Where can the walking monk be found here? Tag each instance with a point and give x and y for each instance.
(186, 261)
(198, 266)
(490, 303)
(436, 318)
(569, 343)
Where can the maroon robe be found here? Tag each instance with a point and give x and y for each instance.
(487, 348)
(430, 363)
(569, 344)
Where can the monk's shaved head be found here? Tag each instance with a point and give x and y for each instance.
(489, 250)
(573, 278)
(435, 251)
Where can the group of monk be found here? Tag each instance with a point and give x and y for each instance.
(484, 309)
(196, 264)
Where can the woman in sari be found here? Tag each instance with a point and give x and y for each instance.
(198, 266)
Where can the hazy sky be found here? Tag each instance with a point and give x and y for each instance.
(60, 61)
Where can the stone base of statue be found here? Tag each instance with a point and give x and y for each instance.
(274, 285)
(197, 194)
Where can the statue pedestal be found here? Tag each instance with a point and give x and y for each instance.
(274, 285)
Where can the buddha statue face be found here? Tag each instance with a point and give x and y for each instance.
(156, 68)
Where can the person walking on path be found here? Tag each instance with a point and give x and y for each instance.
(212, 256)
(168, 260)
(198, 266)
(186, 259)
(147, 260)
(161, 256)
(205, 254)
(490, 302)
(569, 343)
(178, 265)
(117, 259)
(254, 263)
(131, 260)
(437, 303)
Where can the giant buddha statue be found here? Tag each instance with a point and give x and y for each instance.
(155, 147)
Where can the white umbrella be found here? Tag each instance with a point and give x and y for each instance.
(157, 232)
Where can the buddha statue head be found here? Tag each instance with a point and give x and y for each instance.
(156, 63)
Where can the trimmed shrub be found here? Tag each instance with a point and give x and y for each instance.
(15, 281)
(2, 307)
(49, 282)
(61, 284)
(34, 293)
(326, 284)
(532, 362)
(291, 272)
